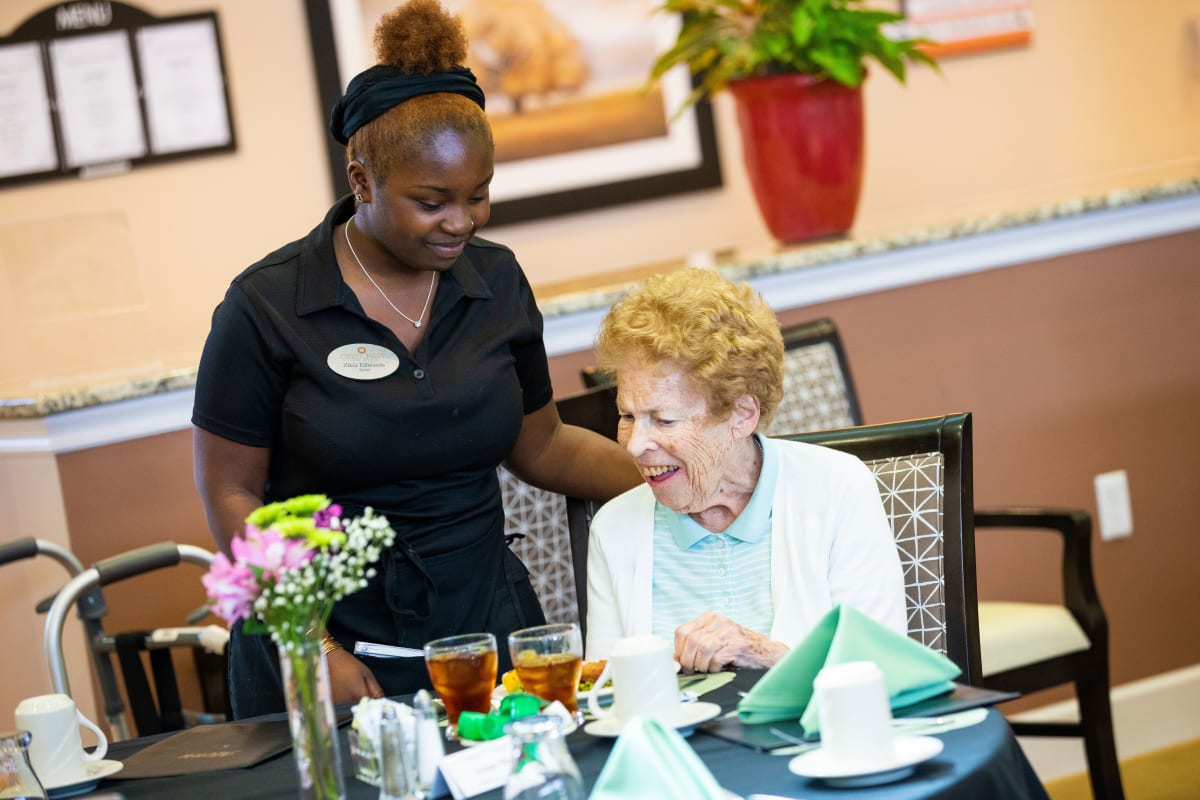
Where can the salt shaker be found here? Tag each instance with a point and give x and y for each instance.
(542, 766)
(16, 774)
(395, 776)
(429, 740)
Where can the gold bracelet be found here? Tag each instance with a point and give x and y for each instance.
(329, 644)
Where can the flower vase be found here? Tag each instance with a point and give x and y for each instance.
(311, 719)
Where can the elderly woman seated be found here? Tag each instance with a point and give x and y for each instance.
(736, 544)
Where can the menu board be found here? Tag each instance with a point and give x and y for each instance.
(92, 88)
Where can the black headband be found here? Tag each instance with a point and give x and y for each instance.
(381, 88)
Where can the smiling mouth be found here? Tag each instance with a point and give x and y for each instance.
(658, 474)
(452, 248)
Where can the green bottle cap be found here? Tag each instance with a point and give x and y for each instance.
(479, 727)
(519, 705)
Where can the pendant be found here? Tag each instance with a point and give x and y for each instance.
(416, 324)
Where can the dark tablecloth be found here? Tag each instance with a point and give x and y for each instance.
(981, 762)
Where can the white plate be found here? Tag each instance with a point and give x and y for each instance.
(910, 751)
(689, 716)
(96, 772)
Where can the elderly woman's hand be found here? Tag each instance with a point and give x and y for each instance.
(710, 643)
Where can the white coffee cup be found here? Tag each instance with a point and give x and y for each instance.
(55, 749)
(854, 712)
(643, 678)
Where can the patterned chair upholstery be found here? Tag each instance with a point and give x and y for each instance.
(818, 392)
(536, 520)
(923, 469)
(536, 523)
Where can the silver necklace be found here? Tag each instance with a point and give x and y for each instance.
(416, 323)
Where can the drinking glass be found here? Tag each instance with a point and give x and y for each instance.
(16, 775)
(463, 671)
(549, 659)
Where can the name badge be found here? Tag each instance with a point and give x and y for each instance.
(363, 362)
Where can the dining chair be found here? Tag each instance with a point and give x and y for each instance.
(818, 390)
(923, 468)
(154, 710)
(536, 521)
(1027, 647)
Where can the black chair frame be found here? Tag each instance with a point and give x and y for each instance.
(1087, 669)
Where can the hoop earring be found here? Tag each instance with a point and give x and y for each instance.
(358, 197)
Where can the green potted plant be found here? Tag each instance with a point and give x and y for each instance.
(795, 69)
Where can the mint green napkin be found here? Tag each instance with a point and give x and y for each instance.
(912, 672)
(652, 761)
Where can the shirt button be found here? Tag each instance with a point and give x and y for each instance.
(721, 572)
(419, 374)
(720, 542)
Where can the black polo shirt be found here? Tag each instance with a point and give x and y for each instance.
(420, 444)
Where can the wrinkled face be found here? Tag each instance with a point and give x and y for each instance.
(666, 426)
(428, 207)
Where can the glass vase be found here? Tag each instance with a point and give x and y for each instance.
(542, 767)
(311, 719)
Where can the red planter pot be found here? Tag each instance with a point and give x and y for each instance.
(802, 141)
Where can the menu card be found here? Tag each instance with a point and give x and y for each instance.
(208, 748)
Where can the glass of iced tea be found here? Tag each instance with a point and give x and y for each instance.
(548, 660)
(463, 671)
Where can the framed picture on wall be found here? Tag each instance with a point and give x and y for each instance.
(967, 26)
(576, 127)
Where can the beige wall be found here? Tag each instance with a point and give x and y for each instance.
(106, 278)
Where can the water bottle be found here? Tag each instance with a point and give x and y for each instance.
(542, 767)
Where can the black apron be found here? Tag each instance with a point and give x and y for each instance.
(411, 600)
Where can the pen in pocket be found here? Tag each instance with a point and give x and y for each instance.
(386, 650)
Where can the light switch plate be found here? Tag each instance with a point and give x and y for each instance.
(1112, 503)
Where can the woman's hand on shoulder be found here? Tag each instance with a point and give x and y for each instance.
(711, 643)
(349, 679)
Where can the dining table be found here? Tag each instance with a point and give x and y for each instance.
(980, 761)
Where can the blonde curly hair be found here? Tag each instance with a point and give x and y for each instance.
(721, 333)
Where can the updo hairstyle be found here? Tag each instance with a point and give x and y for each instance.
(422, 38)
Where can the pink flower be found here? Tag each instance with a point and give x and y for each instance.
(324, 516)
(231, 587)
(270, 551)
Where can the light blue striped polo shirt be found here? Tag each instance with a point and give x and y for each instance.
(727, 573)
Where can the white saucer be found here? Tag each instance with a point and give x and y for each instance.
(689, 716)
(96, 772)
(910, 751)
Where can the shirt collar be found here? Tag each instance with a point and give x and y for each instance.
(320, 283)
(752, 525)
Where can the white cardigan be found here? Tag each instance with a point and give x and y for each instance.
(831, 544)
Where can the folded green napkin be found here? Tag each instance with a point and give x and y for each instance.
(652, 761)
(912, 672)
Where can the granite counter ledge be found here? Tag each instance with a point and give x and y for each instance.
(44, 405)
(592, 294)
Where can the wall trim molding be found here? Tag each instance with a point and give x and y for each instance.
(1148, 714)
(951, 258)
(110, 423)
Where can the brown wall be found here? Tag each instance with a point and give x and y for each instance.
(1071, 367)
(131, 494)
